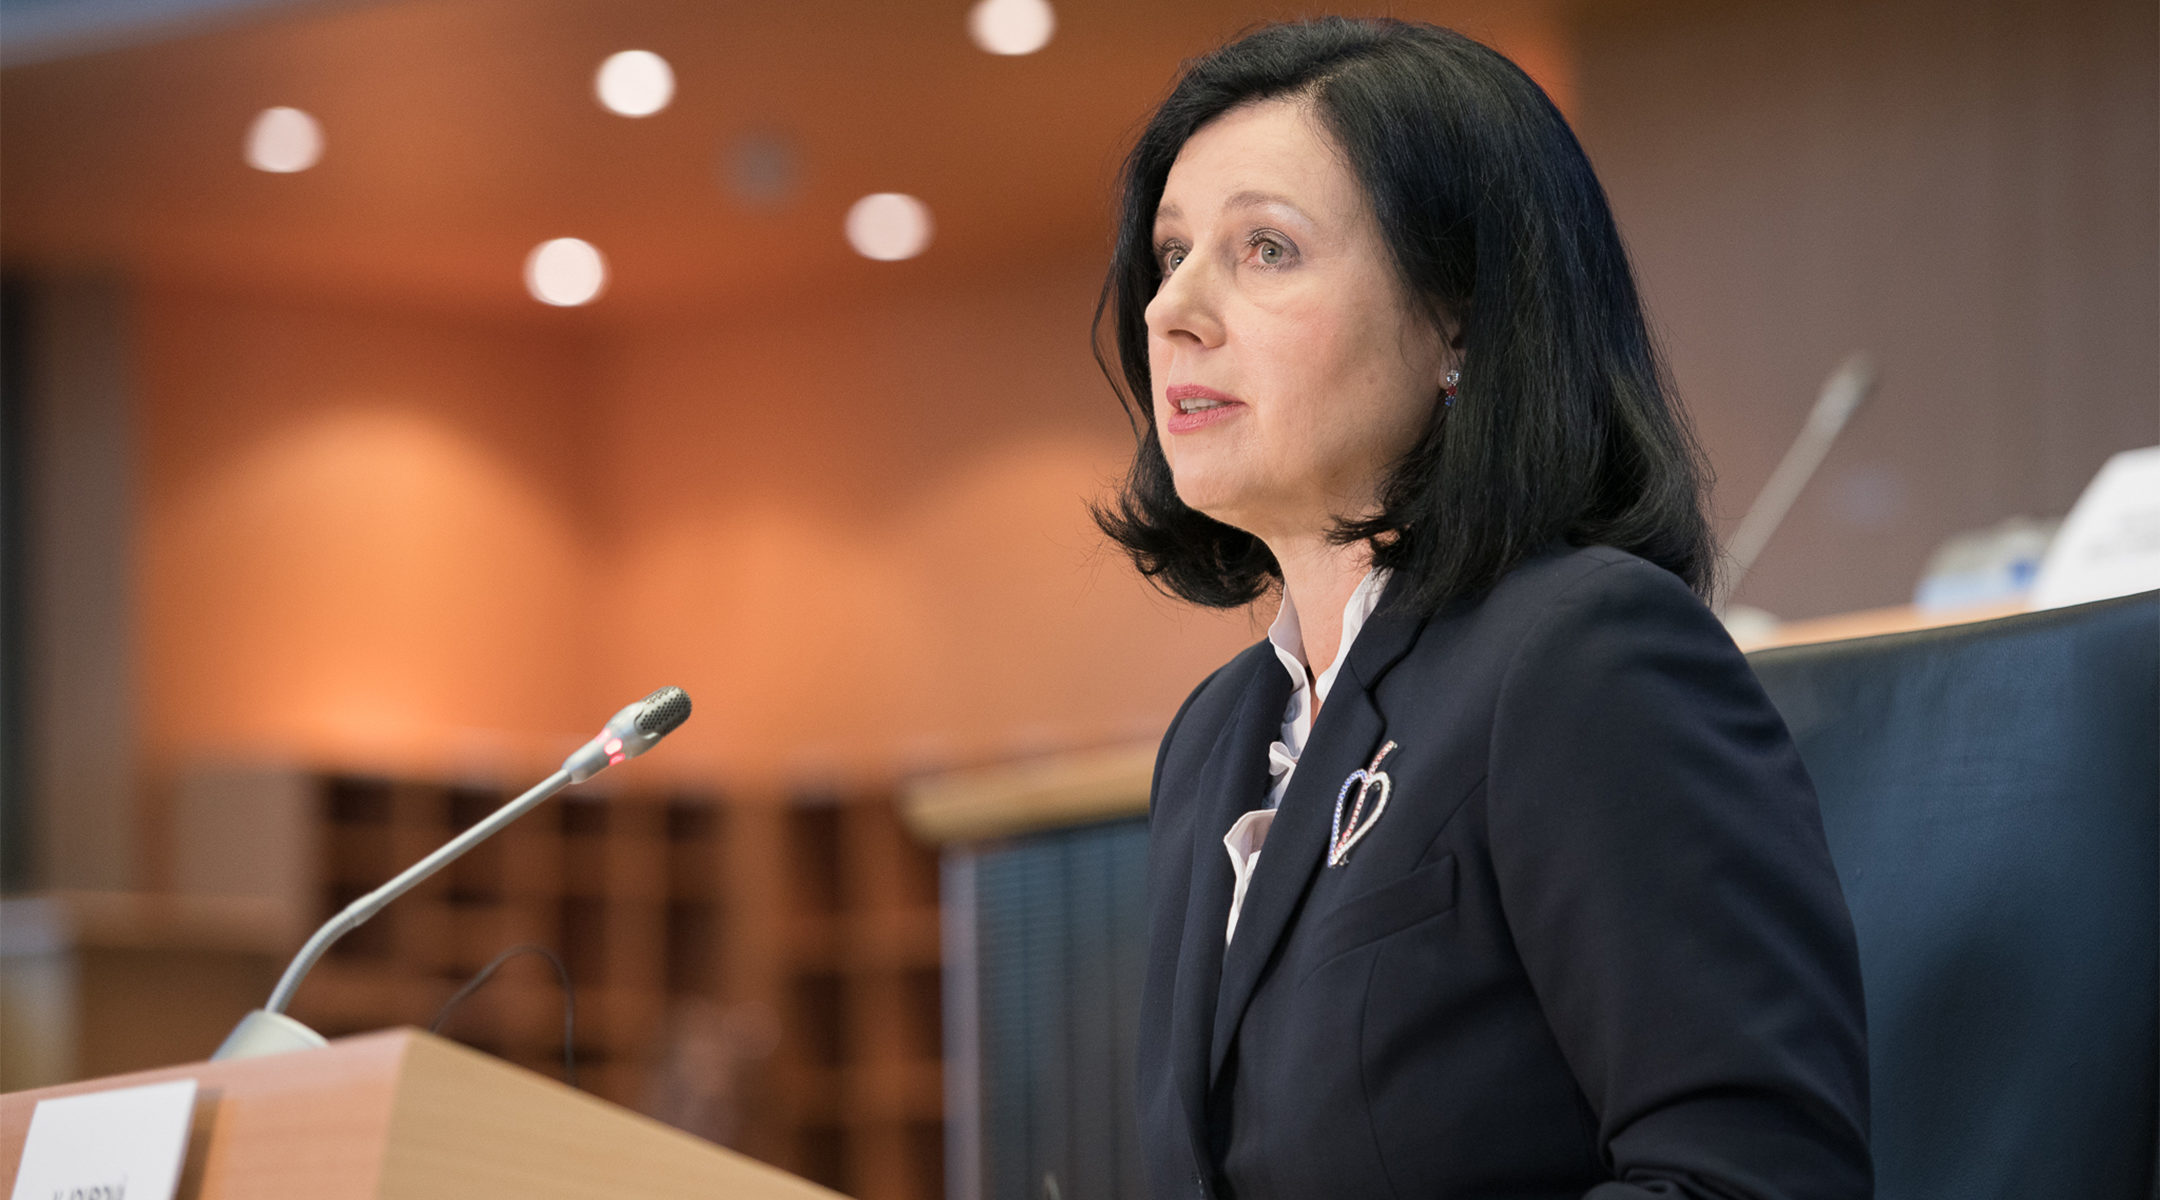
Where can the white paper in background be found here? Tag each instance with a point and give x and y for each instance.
(119, 1145)
(2110, 543)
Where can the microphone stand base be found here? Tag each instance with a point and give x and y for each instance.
(263, 1032)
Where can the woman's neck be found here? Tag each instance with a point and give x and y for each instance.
(1318, 577)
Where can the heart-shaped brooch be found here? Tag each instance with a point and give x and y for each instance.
(1366, 780)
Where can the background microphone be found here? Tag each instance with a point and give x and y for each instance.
(1842, 393)
(627, 734)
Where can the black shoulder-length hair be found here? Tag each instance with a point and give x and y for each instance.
(1565, 428)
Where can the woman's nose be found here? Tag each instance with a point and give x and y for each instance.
(1186, 305)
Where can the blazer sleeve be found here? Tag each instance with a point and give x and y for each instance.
(1662, 865)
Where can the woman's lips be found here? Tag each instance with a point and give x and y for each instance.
(1193, 407)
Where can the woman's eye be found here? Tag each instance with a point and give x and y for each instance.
(1171, 257)
(1270, 252)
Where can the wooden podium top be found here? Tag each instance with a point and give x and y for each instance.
(403, 1115)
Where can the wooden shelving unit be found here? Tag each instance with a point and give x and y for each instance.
(763, 971)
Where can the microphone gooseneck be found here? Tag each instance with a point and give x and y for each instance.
(1842, 393)
(367, 906)
(629, 733)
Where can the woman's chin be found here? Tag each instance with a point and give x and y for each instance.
(1207, 496)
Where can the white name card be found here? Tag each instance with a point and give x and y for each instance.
(118, 1145)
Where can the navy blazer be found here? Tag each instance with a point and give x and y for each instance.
(1594, 945)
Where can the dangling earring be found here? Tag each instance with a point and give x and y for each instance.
(1449, 386)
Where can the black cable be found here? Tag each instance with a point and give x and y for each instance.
(569, 1001)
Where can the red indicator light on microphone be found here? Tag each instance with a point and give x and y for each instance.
(613, 746)
(616, 757)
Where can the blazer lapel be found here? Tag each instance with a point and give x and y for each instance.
(1234, 781)
(1345, 737)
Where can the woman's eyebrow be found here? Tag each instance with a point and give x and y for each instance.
(1248, 198)
(1254, 198)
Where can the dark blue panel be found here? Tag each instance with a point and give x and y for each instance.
(1992, 800)
(1058, 944)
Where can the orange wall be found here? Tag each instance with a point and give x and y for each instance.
(359, 530)
(856, 535)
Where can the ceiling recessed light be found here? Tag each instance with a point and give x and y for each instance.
(284, 140)
(1012, 26)
(635, 83)
(888, 226)
(565, 272)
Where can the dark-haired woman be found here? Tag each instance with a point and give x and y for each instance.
(1490, 872)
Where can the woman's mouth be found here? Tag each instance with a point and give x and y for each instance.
(1194, 407)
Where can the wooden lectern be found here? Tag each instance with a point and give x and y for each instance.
(403, 1115)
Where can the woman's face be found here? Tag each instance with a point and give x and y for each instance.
(1289, 367)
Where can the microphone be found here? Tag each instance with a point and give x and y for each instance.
(629, 733)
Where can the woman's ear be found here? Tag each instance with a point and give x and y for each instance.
(1451, 352)
(1451, 333)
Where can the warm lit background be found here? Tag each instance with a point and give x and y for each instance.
(305, 478)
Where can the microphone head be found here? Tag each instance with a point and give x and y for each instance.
(659, 713)
(630, 733)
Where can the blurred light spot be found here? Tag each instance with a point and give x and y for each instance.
(888, 226)
(284, 140)
(760, 169)
(565, 272)
(635, 83)
(1012, 26)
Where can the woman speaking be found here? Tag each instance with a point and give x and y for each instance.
(1491, 872)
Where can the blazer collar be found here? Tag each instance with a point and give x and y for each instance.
(1349, 730)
